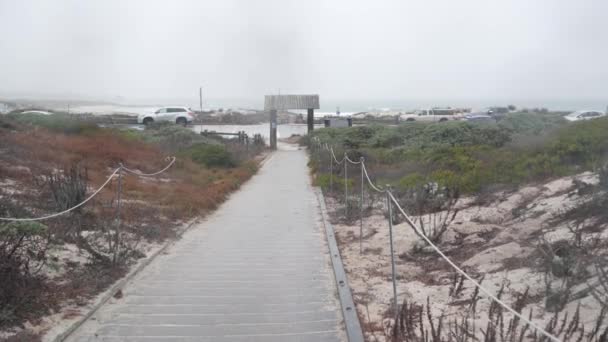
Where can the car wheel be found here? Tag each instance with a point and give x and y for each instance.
(181, 121)
(443, 119)
(148, 121)
(410, 119)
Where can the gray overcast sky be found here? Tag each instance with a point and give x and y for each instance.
(341, 49)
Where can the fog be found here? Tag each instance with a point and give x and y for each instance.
(371, 52)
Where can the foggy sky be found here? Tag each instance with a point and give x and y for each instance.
(341, 49)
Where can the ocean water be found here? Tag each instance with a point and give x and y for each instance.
(283, 131)
(330, 106)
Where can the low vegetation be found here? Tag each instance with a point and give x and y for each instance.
(50, 163)
(519, 149)
(210, 155)
(519, 202)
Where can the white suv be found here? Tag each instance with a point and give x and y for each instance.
(179, 115)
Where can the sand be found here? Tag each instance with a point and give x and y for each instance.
(497, 240)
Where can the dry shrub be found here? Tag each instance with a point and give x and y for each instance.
(192, 189)
(416, 323)
(433, 206)
(23, 247)
(24, 336)
(81, 283)
(74, 164)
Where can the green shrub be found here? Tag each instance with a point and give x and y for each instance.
(210, 155)
(62, 123)
(324, 180)
(464, 134)
(531, 123)
(416, 135)
(131, 134)
(584, 142)
(21, 230)
(473, 157)
(411, 181)
(173, 137)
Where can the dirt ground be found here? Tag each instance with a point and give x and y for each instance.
(497, 240)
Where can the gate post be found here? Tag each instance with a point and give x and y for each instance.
(273, 129)
(310, 120)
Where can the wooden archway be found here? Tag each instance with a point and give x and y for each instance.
(273, 103)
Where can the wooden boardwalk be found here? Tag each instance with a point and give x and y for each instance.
(256, 270)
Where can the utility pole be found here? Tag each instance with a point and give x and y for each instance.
(200, 97)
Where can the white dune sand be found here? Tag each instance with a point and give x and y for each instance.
(493, 240)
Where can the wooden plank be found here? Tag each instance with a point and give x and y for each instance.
(283, 102)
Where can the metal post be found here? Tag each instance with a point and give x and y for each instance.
(345, 187)
(390, 231)
(361, 160)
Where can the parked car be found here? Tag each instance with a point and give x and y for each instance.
(433, 114)
(38, 112)
(479, 118)
(584, 115)
(178, 115)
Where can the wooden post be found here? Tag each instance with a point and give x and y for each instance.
(331, 173)
(390, 235)
(362, 161)
(311, 120)
(117, 232)
(345, 187)
(273, 129)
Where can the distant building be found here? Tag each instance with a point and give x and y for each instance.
(337, 122)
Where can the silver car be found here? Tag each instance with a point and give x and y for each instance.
(584, 115)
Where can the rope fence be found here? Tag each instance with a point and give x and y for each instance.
(117, 171)
(137, 173)
(392, 201)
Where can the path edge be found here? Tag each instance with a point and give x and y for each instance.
(109, 293)
(349, 310)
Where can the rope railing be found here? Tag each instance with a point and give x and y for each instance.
(369, 181)
(137, 173)
(334, 157)
(392, 200)
(350, 161)
(15, 219)
(108, 180)
(411, 223)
